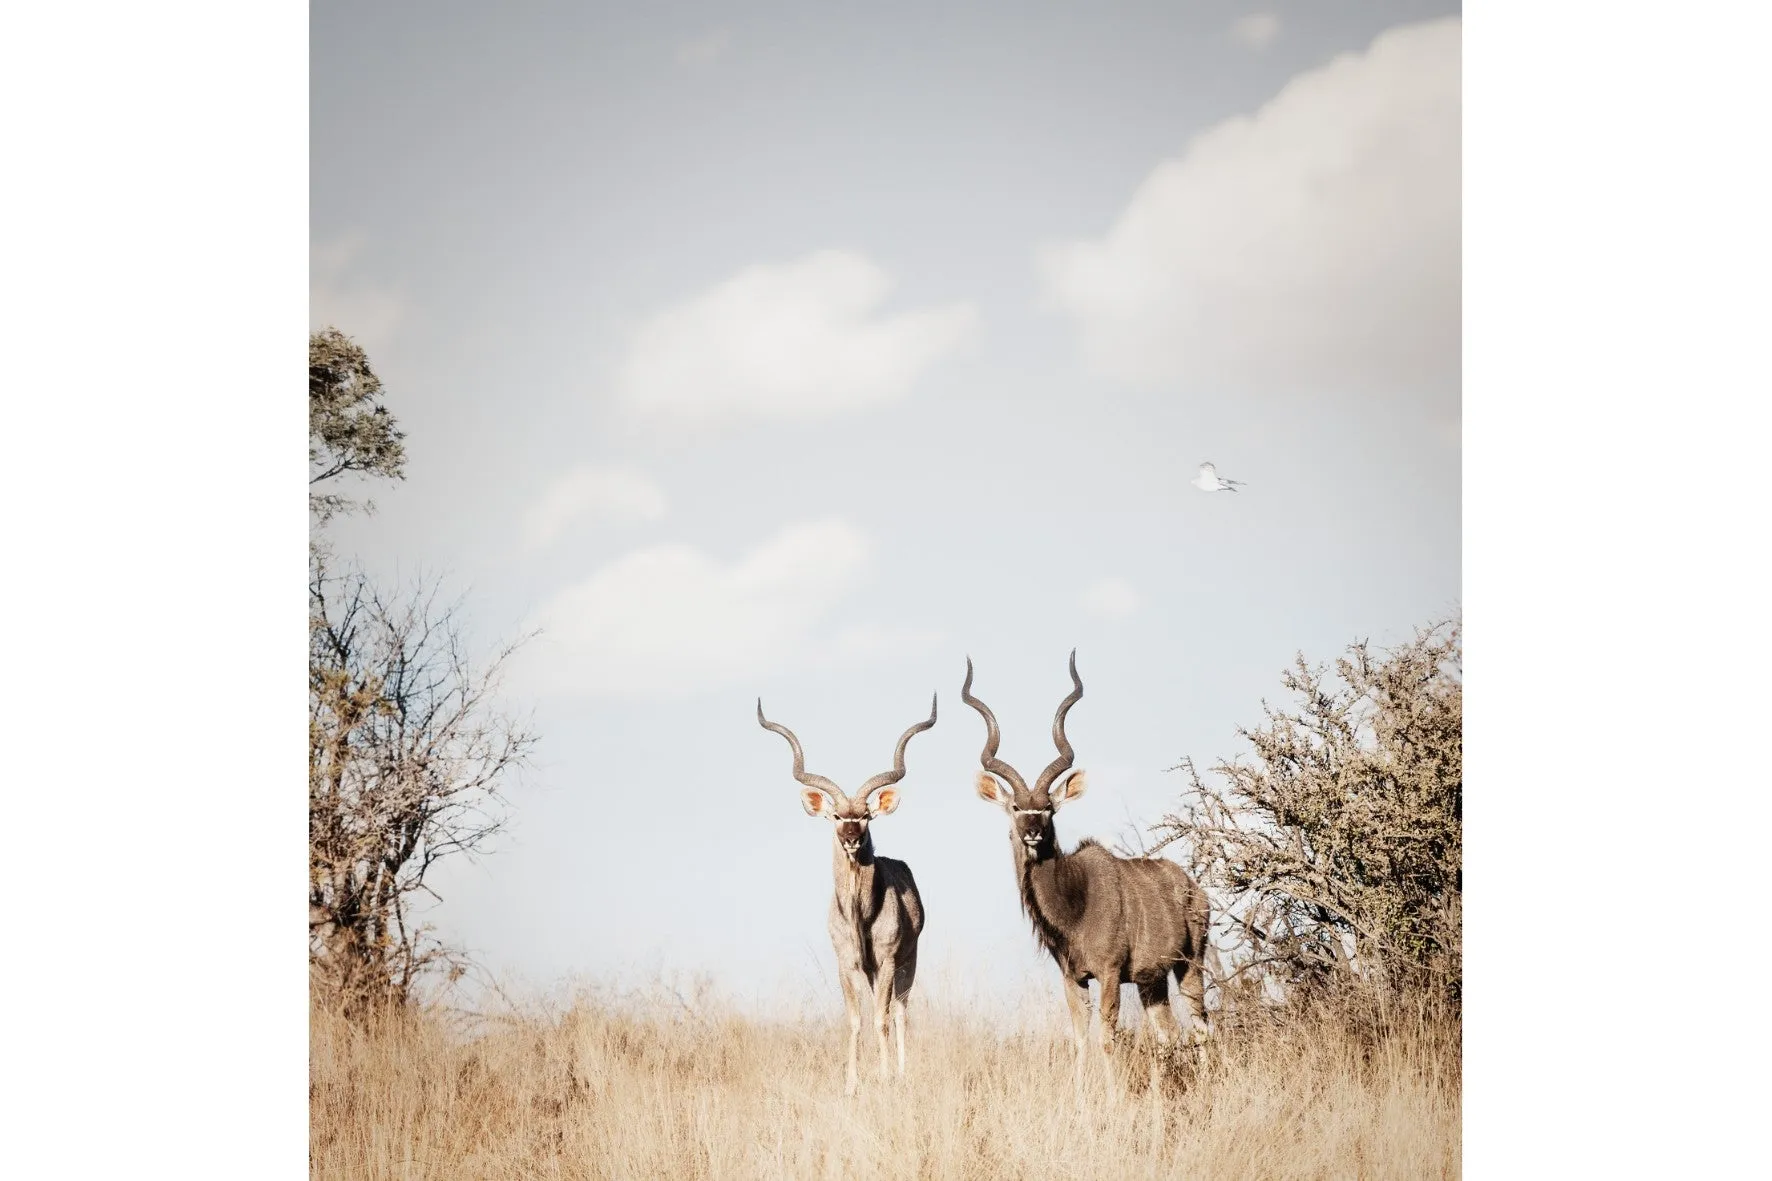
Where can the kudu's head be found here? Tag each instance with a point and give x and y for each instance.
(851, 814)
(1030, 810)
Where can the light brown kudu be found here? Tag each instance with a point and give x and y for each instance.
(876, 913)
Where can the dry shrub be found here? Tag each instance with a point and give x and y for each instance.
(1335, 857)
(614, 1090)
(408, 751)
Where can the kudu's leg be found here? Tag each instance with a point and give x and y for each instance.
(1076, 998)
(1191, 972)
(885, 981)
(852, 1002)
(1110, 1018)
(1161, 1019)
(1110, 1032)
(1192, 980)
(901, 987)
(1155, 999)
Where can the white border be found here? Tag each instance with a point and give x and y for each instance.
(1616, 396)
(1615, 418)
(156, 308)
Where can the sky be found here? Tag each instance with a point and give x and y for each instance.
(805, 352)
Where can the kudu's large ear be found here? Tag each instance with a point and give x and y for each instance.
(884, 803)
(1068, 787)
(993, 790)
(815, 802)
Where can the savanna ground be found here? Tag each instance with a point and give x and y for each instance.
(609, 1089)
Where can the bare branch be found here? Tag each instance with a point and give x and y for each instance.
(408, 758)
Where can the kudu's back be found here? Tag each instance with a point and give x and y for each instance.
(1147, 916)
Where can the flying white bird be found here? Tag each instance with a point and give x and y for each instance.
(1208, 480)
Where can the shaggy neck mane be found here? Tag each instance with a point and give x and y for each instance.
(1052, 894)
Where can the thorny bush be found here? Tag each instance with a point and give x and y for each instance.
(1336, 854)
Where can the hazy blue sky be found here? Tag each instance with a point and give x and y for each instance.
(804, 352)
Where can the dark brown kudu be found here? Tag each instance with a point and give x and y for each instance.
(1115, 920)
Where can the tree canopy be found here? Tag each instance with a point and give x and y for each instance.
(349, 429)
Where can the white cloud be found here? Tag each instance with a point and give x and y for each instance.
(1256, 31)
(340, 299)
(1112, 597)
(1313, 244)
(705, 49)
(671, 621)
(615, 494)
(796, 340)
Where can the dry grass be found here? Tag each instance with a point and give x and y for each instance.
(622, 1091)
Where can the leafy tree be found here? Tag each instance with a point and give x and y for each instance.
(349, 430)
(1338, 850)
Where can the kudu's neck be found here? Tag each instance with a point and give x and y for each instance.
(1044, 881)
(853, 874)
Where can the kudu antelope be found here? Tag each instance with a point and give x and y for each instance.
(876, 912)
(1112, 919)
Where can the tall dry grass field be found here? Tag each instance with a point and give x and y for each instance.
(619, 1091)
